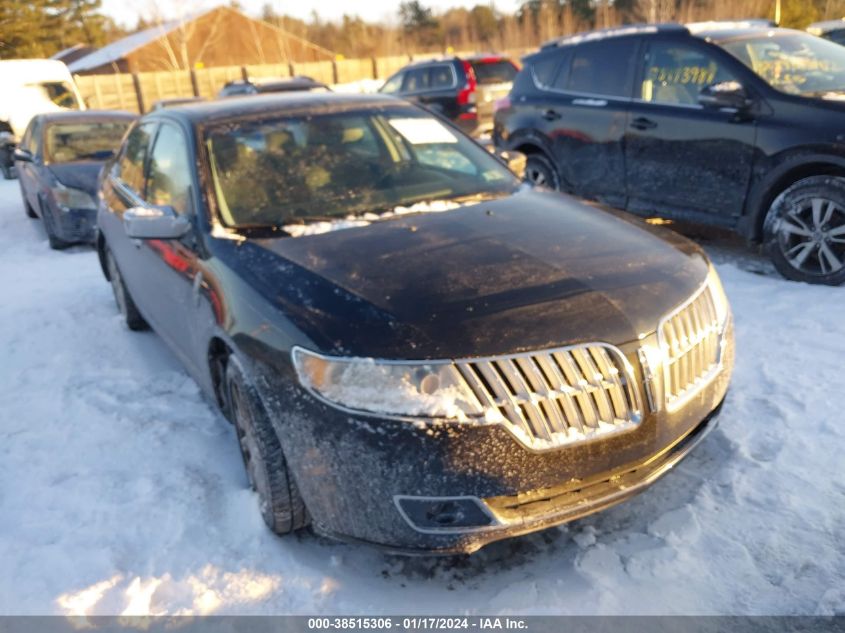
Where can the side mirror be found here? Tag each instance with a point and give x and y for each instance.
(515, 161)
(724, 95)
(23, 156)
(155, 223)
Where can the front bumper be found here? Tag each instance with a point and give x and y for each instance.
(354, 471)
(75, 225)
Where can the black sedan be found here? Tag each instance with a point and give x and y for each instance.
(58, 161)
(416, 349)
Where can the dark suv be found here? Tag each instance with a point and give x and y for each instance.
(736, 125)
(461, 90)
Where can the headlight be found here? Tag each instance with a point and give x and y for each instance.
(69, 198)
(414, 389)
(720, 300)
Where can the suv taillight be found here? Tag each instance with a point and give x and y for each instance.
(466, 96)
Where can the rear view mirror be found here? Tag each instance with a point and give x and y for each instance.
(154, 223)
(725, 94)
(23, 156)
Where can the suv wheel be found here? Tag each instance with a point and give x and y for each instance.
(804, 231)
(282, 507)
(540, 172)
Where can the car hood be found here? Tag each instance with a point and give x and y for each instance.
(78, 175)
(531, 271)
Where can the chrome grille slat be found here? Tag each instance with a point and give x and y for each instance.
(690, 338)
(557, 397)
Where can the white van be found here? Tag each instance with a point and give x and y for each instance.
(33, 86)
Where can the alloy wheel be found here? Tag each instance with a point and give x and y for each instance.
(244, 428)
(536, 176)
(811, 236)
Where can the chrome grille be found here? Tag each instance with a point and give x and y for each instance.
(557, 397)
(690, 338)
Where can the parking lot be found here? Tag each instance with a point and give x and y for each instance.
(122, 490)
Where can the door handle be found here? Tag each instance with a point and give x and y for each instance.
(551, 115)
(642, 123)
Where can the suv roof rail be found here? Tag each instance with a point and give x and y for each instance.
(616, 31)
(435, 59)
(730, 25)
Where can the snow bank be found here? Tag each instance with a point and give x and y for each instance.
(122, 491)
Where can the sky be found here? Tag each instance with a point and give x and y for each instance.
(126, 12)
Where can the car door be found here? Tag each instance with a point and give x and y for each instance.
(587, 115)
(28, 171)
(123, 189)
(684, 160)
(415, 85)
(442, 95)
(169, 266)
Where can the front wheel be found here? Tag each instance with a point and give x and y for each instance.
(804, 231)
(125, 303)
(282, 507)
(540, 172)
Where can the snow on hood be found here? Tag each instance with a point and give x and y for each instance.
(350, 222)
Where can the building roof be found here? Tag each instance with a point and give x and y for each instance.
(112, 53)
(121, 48)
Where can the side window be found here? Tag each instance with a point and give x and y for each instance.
(30, 137)
(393, 84)
(169, 180)
(130, 166)
(546, 69)
(441, 77)
(603, 68)
(676, 73)
(416, 79)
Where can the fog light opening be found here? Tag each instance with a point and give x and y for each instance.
(444, 514)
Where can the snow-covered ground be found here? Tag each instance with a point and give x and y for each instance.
(122, 491)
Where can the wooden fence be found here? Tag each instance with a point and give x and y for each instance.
(137, 92)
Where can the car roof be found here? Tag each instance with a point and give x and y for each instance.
(613, 32)
(294, 83)
(826, 26)
(273, 103)
(71, 116)
(723, 34)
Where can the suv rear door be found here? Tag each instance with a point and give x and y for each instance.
(684, 160)
(433, 86)
(587, 114)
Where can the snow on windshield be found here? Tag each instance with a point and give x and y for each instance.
(315, 228)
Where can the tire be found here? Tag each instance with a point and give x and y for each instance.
(30, 212)
(125, 304)
(540, 171)
(56, 243)
(804, 231)
(282, 507)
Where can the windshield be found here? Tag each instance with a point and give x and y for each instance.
(795, 63)
(67, 142)
(296, 170)
(496, 71)
(58, 92)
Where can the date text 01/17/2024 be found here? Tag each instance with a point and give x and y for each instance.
(417, 623)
